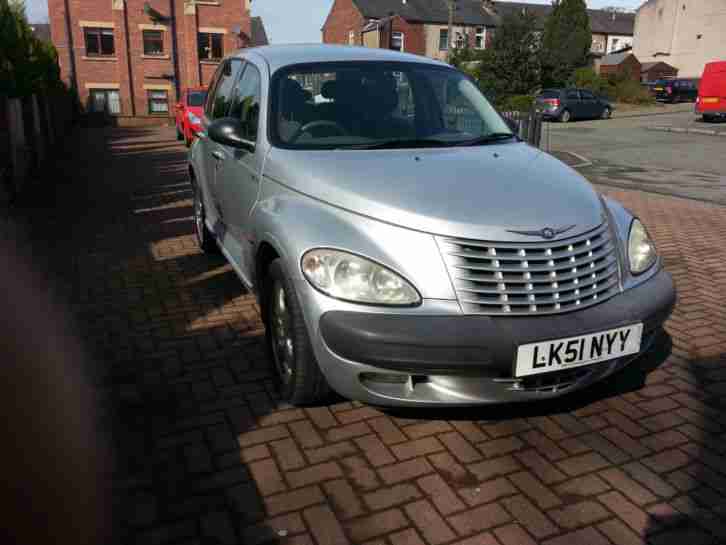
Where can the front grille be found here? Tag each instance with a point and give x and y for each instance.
(533, 278)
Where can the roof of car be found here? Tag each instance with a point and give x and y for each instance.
(279, 56)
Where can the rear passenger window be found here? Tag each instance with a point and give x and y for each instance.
(220, 100)
(587, 95)
(573, 95)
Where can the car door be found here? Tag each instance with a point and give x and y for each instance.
(573, 103)
(216, 107)
(591, 107)
(238, 177)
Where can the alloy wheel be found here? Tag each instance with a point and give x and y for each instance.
(199, 218)
(283, 345)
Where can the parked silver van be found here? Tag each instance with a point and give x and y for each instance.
(405, 247)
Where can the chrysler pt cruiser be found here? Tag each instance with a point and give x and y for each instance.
(405, 247)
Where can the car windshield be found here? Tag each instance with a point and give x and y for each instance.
(197, 98)
(359, 105)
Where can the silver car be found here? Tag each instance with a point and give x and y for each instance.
(405, 247)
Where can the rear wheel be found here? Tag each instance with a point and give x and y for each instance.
(565, 116)
(179, 134)
(300, 378)
(707, 118)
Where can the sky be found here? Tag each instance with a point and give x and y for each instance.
(300, 21)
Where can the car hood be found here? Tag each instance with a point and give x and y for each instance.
(481, 192)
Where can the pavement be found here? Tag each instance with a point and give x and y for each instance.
(205, 452)
(627, 153)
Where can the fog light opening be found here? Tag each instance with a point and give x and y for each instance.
(385, 378)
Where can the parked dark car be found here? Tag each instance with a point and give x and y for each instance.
(567, 104)
(676, 90)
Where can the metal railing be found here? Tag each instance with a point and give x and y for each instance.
(530, 127)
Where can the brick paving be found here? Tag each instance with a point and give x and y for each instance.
(206, 453)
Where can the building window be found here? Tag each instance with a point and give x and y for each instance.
(481, 37)
(158, 102)
(104, 101)
(153, 42)
(351, 37)
(461, 40)
(444, 39)
(210, 46)
(397, 41)
(99, 42)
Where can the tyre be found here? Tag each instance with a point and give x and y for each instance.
(179, 135)
(205, 239)
(187, 141)
(301, 381)
(708, 118)
(607, 113)
(565, 116)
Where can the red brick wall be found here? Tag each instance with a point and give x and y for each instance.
(414, 37)
(129, 68)
(343, 18)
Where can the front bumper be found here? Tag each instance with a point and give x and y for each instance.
(465, 359)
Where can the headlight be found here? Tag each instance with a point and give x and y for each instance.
(354, 278)
(193, 119)
(641, 250)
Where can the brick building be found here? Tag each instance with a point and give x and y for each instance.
(131, 58)
(421, 27)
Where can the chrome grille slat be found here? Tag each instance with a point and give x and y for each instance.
(517, 246)
(525, 267)
(533, 277)
(562, 286)
(532, 255)
(546, 279)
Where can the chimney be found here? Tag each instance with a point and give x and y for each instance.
(489, 7)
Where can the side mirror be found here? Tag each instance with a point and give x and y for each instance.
(228, 132)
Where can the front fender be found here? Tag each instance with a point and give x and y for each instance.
(293, 224)
(621, 219)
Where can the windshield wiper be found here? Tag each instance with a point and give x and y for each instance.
(401, 144)
(487, 139)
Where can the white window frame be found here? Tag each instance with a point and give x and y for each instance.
(403, 40)
(481, 34)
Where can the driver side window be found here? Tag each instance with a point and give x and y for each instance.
(246, 102)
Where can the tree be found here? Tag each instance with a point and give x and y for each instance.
(510, 65)
(566, 42)
(27, 65)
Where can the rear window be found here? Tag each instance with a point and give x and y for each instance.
(550, 93)
(197, 98)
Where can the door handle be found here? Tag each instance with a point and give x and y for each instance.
(218, 155)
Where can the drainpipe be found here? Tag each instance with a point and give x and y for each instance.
(174, 49)
(71, 49)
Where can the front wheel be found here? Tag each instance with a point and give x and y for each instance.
(205, 240)
(607, 113)
(565, 116)
(300, 378)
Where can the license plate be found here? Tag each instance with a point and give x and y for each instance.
(710, 100)
(549, 356)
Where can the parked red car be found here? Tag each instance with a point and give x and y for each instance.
(711, 102)
(189, 113)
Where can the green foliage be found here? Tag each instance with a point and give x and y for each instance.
(463, 57)
(517, 103)
(510, 65)
(566, 42)
(587, 78)
(631, 92)
(27, 65)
